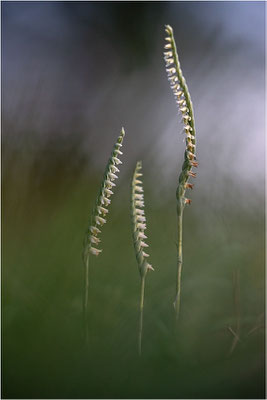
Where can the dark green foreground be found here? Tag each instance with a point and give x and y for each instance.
(42, 282)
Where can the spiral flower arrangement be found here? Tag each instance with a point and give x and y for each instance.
(139, 238)
(99, 216)
(184, 103)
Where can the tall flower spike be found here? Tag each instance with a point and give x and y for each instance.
(184, 103)
(183, 100)
(99, 218)
(139, 237)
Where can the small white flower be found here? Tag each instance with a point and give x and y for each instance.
(181, 102)
(184, 110)
(139, 189)
(173, 79)
(100, 220)
(186, 118)
(171, 71)
(145, 254)
(137, 181)
(139, 203)
(94, 251)
(178, 93)
(114, 169)
(102, 210)
(140, 218)
(112, 176)
(175, 86)
(191, 145)
(143, 244)
(117, 160)
(168, 54)
(169, 61)
(94, 239)
(139, 196)
(168, 37)
(189, 136)
(139, 225)
(190, 154)
(117, 151)
(141, 235)
(110, 184)
(168, 29)
(104, 200)
(168, 46)
(139, 211)
(94, 230)
(108, 192)
(149, 266)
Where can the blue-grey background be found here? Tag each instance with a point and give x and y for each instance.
(73, 73)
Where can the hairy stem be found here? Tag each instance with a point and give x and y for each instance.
(179, 265)
(141, 315)
(85, 300)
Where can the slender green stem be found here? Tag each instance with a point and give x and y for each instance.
(179, 266)
(183, 99)
(236, 333)
(85, 301)
(141, 315)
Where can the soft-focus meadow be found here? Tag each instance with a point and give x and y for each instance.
(72, 75)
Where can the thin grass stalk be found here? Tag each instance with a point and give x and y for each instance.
(180, 263)
(98, 219)
(85, 302)
(142, 296)
(184, 103)
(139, 240)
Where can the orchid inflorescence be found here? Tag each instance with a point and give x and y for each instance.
(184, 103)
(139, 239)
(103, 199)
(139, 221)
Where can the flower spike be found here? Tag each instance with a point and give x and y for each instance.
(138, 220)
(184, 103)
(139, 237)
(98, 219)
(103, 200)
(183, 100)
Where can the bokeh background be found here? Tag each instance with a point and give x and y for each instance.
(73, 73)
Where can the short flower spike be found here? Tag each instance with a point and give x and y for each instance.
(103, 200)
(138, 222)
(98, 219)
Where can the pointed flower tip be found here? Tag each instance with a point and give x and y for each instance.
(190, 173)
(189, 186)
(149, 266)
(168, 29)
(139, 164)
